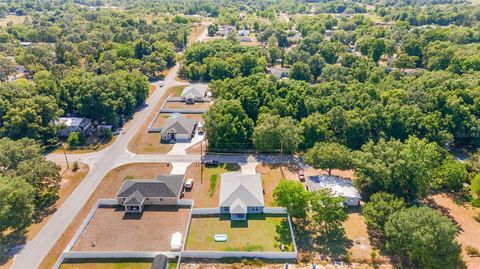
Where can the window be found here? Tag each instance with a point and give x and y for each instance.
(226, 208)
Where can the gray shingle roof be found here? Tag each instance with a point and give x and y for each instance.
(160, 262)
(240, 191)
(179, 125)
(196, 91)
(135, 191)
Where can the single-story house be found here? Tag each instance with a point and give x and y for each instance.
(160, 262)
(163, 190)
(339, 186)
(245, 39)
(72, 124)
(224, 30)
(194, 93)
(279, 72)
(241, 194)
(243, 33)
(178, 128)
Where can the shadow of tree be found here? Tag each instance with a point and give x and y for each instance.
(334, 244)
(284, 236)
(430, 202)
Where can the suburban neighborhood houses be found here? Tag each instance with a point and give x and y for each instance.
(269, 134)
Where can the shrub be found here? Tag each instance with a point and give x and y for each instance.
(213, 184)
(75, 166)
(477, 217)
(75, 139)
(471, 251)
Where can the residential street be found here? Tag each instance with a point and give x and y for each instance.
(100, 164)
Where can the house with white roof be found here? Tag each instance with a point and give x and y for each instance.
(240, 195)
(194, 93)
(340, 187)
(67, 125)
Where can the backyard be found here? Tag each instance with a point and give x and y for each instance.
(112, 264)
(260, 232)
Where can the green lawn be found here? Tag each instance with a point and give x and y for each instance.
(112, 264)
(259, 233)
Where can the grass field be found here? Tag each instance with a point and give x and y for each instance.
(258, 233)
(12, 18)
(112, 264)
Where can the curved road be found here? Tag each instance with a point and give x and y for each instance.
(102, 162)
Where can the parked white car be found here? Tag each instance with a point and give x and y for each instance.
(176, 243)
(189, 183)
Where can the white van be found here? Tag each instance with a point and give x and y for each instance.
(176, 242)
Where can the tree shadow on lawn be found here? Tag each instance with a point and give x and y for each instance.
(284, 236)
(333, 245)
(430, 202)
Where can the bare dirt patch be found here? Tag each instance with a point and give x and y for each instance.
(114, 230)
(13, 19)
(106, 189)
(469, 228)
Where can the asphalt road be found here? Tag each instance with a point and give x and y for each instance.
(102, 162)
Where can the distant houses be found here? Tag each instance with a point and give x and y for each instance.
(68, 125)
(279, 72)
(224, 30)
(241, 194)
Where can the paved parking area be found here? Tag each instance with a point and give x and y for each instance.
(114, 230)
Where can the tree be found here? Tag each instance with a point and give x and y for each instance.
(329, 156)
(43, 175)
(212, 29)
(75, 139)
(316, 64)
(404, 61)
(16, 200)
(14, 152)
(273, 132)
(7, 68)
(327, 210)
(380, 206)
(315, 128)
(404, 169)
(293, 196)
(300, 71)
(227, 125)
(476, 185)
(424, 237)
(451, 174)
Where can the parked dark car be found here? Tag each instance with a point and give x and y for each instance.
(301, 176)
(211, 163)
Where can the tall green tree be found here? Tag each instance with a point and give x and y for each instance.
(293, 196)
(300, 71)
(404, 169)
(273, 132)
(424, 237)
(16, 203)
(380, 206)
(329, 156)
(228, 126)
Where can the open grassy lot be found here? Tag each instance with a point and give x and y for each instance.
(149, 143)
(206, 188)
(237, 263)
(112, 264)
(106, 189)
(259, 232)
(107, 264)
(12, 18)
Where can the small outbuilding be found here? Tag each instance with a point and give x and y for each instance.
(160, 262)
(243, 33)
(279, 72)
(339, 186)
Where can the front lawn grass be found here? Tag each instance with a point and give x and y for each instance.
(260, 232)
(107, 264)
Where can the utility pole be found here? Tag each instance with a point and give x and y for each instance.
(65, 153)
